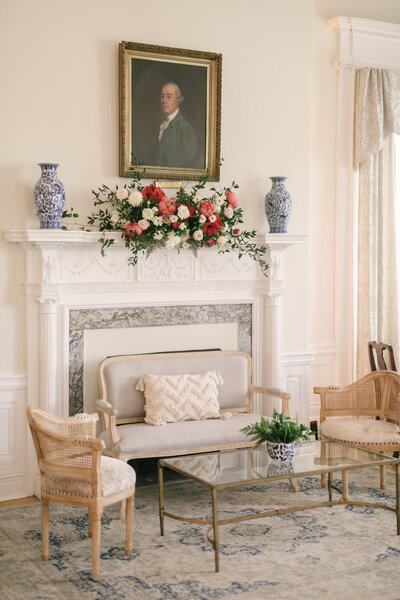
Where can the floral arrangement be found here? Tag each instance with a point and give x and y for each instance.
(148, 220)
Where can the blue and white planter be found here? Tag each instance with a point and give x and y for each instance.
(278, 206)
(49, 197)
(279, 451)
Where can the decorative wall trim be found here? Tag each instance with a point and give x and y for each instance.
(323, 372)
(13, 429)
(365, 27)
(297, 382)
(13, 382)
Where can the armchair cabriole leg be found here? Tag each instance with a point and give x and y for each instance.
(345, 485)
(96, 535)
(383, 477)
(45, 529)
(90, 523)
(122, 509)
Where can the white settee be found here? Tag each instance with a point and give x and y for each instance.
(122, 407)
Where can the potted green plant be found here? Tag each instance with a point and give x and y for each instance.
(280, 433)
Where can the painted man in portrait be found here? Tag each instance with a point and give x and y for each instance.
(178, 144)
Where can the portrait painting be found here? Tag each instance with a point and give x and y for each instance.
(170, 112)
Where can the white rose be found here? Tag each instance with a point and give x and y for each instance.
(122, 194)
(144, 224)
(183, 212)
(217, 208)
(147, 214)
(173, 241)
(198, 235)
(173, 219)
(182, 226)
(221, 239)
(212, 218)
(158, 235)
(185, 245)
(158, 221)
(228, 212)
(202, 219)
(114, 218)
(135, 198)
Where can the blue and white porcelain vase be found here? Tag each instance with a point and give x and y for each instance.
(278, 206)
(49, 197)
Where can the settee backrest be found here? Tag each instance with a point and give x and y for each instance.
(118, 376)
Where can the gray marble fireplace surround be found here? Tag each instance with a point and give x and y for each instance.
(147, 316)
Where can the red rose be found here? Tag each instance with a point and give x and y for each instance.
(176, 225)
(212, 228)
(133, 228)
(151, 192)
(236, 231)
(209, 243)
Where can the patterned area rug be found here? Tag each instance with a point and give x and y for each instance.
(327, 553)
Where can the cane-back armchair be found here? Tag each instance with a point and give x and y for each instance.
(73, 471)
(365, 414)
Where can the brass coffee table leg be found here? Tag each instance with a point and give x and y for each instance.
(215, 528)
(161, 497)
(330, 486)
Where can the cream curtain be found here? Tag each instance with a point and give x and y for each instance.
(377, 118)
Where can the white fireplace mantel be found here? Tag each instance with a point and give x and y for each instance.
(66, 276)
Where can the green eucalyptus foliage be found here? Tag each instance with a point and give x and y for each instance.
(280, 429)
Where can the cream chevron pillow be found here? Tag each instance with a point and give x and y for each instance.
(172, 398)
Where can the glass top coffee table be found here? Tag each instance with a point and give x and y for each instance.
(249, 466)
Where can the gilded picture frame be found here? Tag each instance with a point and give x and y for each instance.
(170, 112)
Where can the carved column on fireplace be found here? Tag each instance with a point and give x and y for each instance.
(47, 353)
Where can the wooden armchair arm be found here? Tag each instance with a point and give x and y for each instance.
(108, 419)
(374, 395)
(284, 396)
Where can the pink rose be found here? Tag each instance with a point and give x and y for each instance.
(133, 228)
(167, 207)
(206, 208)
(231, 197)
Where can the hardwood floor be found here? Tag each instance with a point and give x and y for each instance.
(19, 501)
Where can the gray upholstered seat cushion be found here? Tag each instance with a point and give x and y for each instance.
(153, 440)
(361, 431)
(116, 477)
